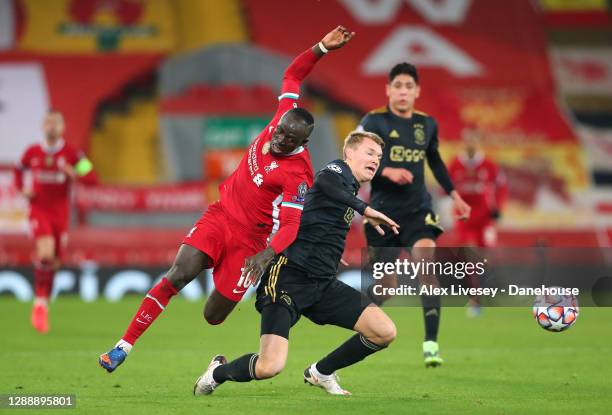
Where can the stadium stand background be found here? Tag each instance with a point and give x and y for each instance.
(164, 96)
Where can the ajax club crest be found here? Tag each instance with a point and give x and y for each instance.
(419, 134)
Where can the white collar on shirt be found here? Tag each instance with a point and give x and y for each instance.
(294, 152)
(471, 162)
(54, 148)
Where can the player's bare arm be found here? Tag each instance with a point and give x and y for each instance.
(462, 208)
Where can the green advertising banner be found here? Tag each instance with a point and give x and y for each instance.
(231, 132)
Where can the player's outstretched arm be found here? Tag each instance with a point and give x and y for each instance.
(376, 218)
(330, 183)
(305, 61)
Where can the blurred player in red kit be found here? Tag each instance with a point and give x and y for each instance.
(54, 166)
(257, 216)
(483, 187)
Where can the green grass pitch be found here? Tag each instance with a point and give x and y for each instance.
(500, 363)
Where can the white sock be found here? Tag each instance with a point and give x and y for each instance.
(123, 345)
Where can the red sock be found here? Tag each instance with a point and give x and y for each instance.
(154, 303)
(43, 279)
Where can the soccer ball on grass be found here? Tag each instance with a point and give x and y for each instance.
(556, 312)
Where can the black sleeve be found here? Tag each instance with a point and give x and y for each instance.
(436, 164)
(368, 123)
(331, 185)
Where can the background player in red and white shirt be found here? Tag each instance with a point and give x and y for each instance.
(53, 167)
(483, 187)
(257, 216)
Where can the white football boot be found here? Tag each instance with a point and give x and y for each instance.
(205, 384)
(327, 382)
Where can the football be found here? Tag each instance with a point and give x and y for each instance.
(556, 312)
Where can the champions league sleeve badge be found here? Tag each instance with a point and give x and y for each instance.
(266, 148)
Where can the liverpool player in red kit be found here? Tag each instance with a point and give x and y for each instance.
(483, 187)
(54, 166)
(257, 216)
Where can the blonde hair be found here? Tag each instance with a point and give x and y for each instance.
(356, 137)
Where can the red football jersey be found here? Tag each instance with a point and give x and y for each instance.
(480, 184)
(50, 185)
(265, 188)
